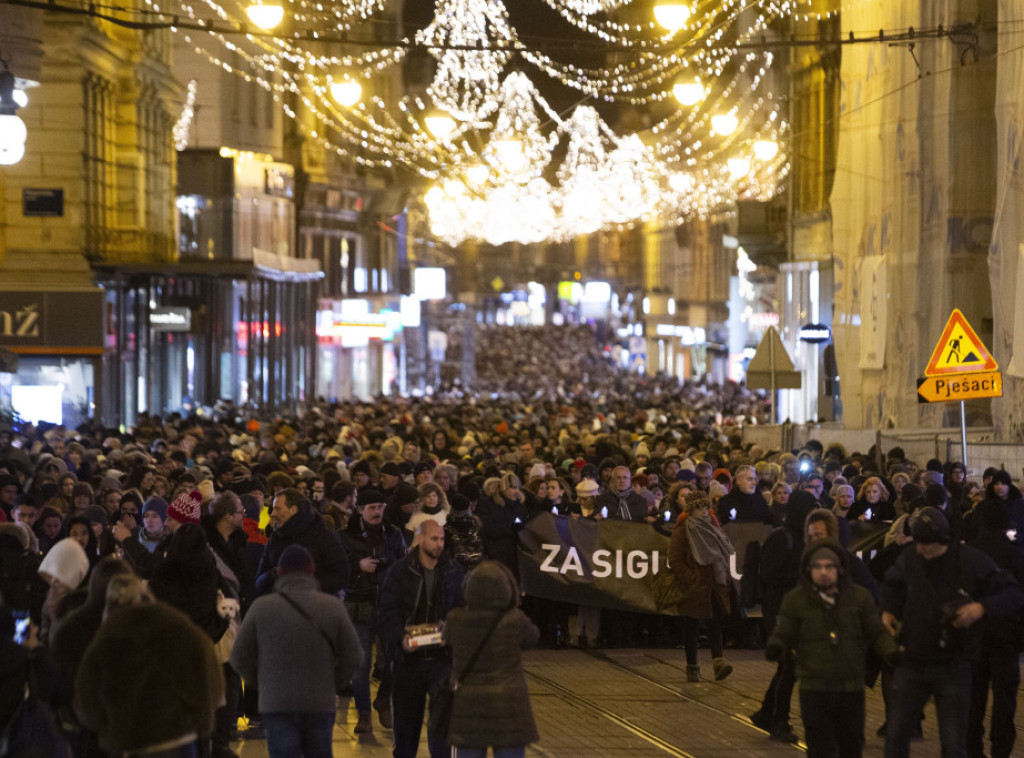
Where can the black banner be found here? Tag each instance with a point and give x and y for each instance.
(623, 565)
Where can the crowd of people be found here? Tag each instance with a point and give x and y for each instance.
(384, 536)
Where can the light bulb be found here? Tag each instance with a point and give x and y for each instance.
(346, 91)
(509, 152)
(765, 150)
(440, 124)
(265, 16)
(672, 16)
(477, 173)
(688, 92)
(12, 139)
(739, 167)
(20, 98)
(724, 123)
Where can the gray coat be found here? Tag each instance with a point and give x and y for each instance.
(492, 704)
(287, 657)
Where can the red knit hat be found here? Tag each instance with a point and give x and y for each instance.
(185, 510)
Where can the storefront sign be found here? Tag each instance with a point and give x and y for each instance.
(170, 319)
(58, 320)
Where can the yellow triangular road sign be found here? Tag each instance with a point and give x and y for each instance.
(959, 350)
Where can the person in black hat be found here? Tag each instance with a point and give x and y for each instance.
(373, 546)
(402, 505)
(390, 476)
(932, 598)
(300, 646)
(360, 472)
(423, 473)
(1001, 488)
(996, 666)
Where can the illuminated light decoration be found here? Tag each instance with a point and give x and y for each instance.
(684, 162)
(181, 128)
(688, 92)
(739, 167)
(477, 174)
(672, 16)
(441, 125)
(765, 150)
(466, 77)
(13, 132)
(265, 16)
(724, 124)
(346, 91)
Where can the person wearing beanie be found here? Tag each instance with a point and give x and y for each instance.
(373, 546)
(996, 666)
(423, 473)
(64, 568)
(1001, 488)
(184, 510)
(829, 623)
(402, 504)
(390, 476)
(153, 534)
(932, 598)
(360, 473)
(297, 523)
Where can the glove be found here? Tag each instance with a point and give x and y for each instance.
(774, 651)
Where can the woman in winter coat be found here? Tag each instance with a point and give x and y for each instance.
(492, 703)
(188, 579)
(699, 555)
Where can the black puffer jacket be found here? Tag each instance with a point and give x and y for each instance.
(308, 530)
(492, 704)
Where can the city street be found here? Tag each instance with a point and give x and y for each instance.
(611, 703)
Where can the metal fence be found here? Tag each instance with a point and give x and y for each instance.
(919, 445)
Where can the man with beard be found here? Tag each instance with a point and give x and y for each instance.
(420, 589)
(373, 547)
(829, 622)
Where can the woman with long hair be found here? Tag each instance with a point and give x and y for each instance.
(872, 502)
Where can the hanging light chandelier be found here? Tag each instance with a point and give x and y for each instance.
(483, 137)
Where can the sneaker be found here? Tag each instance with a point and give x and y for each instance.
(722, 668)
(783, 733)
(365, 723)
(384, 714)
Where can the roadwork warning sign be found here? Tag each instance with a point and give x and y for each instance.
(959, 350)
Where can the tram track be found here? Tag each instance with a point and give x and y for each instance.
(638, 731)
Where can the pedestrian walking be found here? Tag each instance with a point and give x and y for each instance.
(699, 554)
(418, 593)
(492, 702)
(828, 623)
(931, 599)
(298, 645)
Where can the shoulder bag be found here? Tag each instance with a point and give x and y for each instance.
(442, 703)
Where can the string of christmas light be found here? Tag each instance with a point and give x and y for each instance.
(502, 163)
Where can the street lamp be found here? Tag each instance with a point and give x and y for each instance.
(12, 129)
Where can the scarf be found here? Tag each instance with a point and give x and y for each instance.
(709, 546)
(623, 497)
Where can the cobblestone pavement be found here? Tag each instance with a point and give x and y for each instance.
(632, 702)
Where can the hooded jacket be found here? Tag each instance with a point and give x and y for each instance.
(830, 639)
(492, 703)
